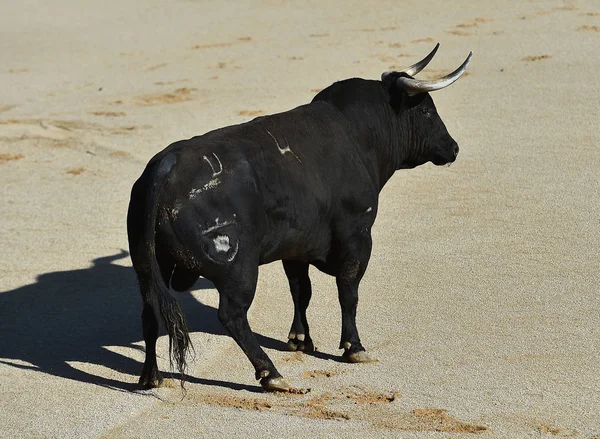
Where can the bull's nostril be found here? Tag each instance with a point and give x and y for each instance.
(455, 150)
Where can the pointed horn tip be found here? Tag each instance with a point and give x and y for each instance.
(468, 60)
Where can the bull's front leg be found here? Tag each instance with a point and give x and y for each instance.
(299, 337)
(352, 268)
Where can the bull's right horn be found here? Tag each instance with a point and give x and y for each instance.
(416, 86)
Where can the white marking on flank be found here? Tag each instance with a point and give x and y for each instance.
(218, 225)
(222, 243)
(215, 172)
(235, 250)
(210, 185)
(282, 151)
(369, 210)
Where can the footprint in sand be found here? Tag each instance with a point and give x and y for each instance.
(588, 28)
(4, 108)
(296, 356)
(156, 67)
(178, 95)
(76, 171)
(532, 58)
(240, 40)
(5, 158)
(225, 66)
(423, 40)
(119, 153)
(459, 33)
(429, 419)
(319, 374)
(556, 431)
(109, 113)
(460, 28)
(251, 113)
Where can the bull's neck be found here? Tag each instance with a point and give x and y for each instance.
(365, 104)
(375, 133)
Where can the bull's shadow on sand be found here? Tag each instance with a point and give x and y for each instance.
(71, 316)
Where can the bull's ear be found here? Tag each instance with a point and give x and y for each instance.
(388, 79)
(386, 75)
(398, 96)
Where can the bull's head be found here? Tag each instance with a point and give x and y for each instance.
(423, 132)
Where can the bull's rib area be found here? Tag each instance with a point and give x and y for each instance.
(285, 150)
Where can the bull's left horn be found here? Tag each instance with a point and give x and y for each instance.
(416, 67)
(415, 86)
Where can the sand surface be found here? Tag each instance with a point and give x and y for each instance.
(481, 301)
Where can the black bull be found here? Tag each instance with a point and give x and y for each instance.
(301, 187)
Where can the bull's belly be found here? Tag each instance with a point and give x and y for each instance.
(296, 246)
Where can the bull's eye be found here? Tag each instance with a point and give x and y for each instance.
(425, 111)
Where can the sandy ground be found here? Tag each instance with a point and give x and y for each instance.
(481, 300)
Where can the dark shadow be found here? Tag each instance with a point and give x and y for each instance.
(72, 315)
(326, 356)
(233, 386)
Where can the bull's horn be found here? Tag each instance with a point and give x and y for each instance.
(417, 67)
(415, 86)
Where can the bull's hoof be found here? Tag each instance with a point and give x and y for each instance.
(150, 383)
(275, 384)
(359, 357)
(280, 385)
(300, 343)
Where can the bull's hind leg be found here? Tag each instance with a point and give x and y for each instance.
(151, 376)
(236, 291)
(297, 274)
(353, 263)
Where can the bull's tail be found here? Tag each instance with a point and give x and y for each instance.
(156, 292)
(172, 317)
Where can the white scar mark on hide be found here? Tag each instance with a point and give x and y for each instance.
(235, 251)
(213, 183)
(283, 151)
(210, 185)
(175, 210)
(215, 172)
(218, 225)
(222, 245)
(369, 210)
